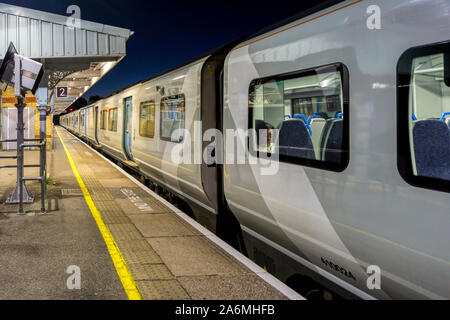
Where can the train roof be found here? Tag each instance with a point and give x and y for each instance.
(303, 14)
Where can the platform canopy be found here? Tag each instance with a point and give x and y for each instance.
(75, 56)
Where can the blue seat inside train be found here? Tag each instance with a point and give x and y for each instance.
(301, 117)
(432, 148)
(306, 121)
(295, 140)
(445, 117)
(336, 143)
(332, 140)
(325, 134)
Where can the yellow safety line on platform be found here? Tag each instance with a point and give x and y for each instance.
(121, 267)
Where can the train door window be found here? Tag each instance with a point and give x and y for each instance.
(302, 116)
(424, 116)
(103, 119)
(81, 120)
(112, 119)
(147, 119)
(172, 118)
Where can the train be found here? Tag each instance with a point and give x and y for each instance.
(350, 103)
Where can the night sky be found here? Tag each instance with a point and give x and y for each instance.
(169, 33)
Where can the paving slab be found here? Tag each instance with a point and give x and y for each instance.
(161, 225)
(229, 288)
(188, 256)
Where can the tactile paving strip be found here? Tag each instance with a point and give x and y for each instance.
(99, 193)
(124, 232)
(134, 245)
(138, 252)
(107, 219)
(109, 208)
(162, 290)
(150, 272)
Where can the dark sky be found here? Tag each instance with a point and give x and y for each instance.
(169, 32)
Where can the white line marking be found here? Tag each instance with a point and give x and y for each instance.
(136, 200)
(264, 275)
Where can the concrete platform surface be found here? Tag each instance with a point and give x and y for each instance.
(167, 255)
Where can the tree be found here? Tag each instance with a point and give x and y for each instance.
(93, 99)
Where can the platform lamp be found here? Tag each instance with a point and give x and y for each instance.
(24, 74)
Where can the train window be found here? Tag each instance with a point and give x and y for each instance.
(112, 119)
(172, 117)
(147, 119)
(424, 116)
(302, 116)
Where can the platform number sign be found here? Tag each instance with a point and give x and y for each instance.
(61, 92)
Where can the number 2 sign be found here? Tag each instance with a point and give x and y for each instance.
(61, 92)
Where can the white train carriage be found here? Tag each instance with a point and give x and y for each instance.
(353, 199)
(136, 126)
(358, 118)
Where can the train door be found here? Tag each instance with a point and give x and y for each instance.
(86, 121)
(96, 124)
(128, 117)
(212, 170)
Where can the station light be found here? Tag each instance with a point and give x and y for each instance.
(21, 72)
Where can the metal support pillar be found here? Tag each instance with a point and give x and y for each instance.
(20, 194)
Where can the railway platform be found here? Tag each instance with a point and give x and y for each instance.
(107, 236)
